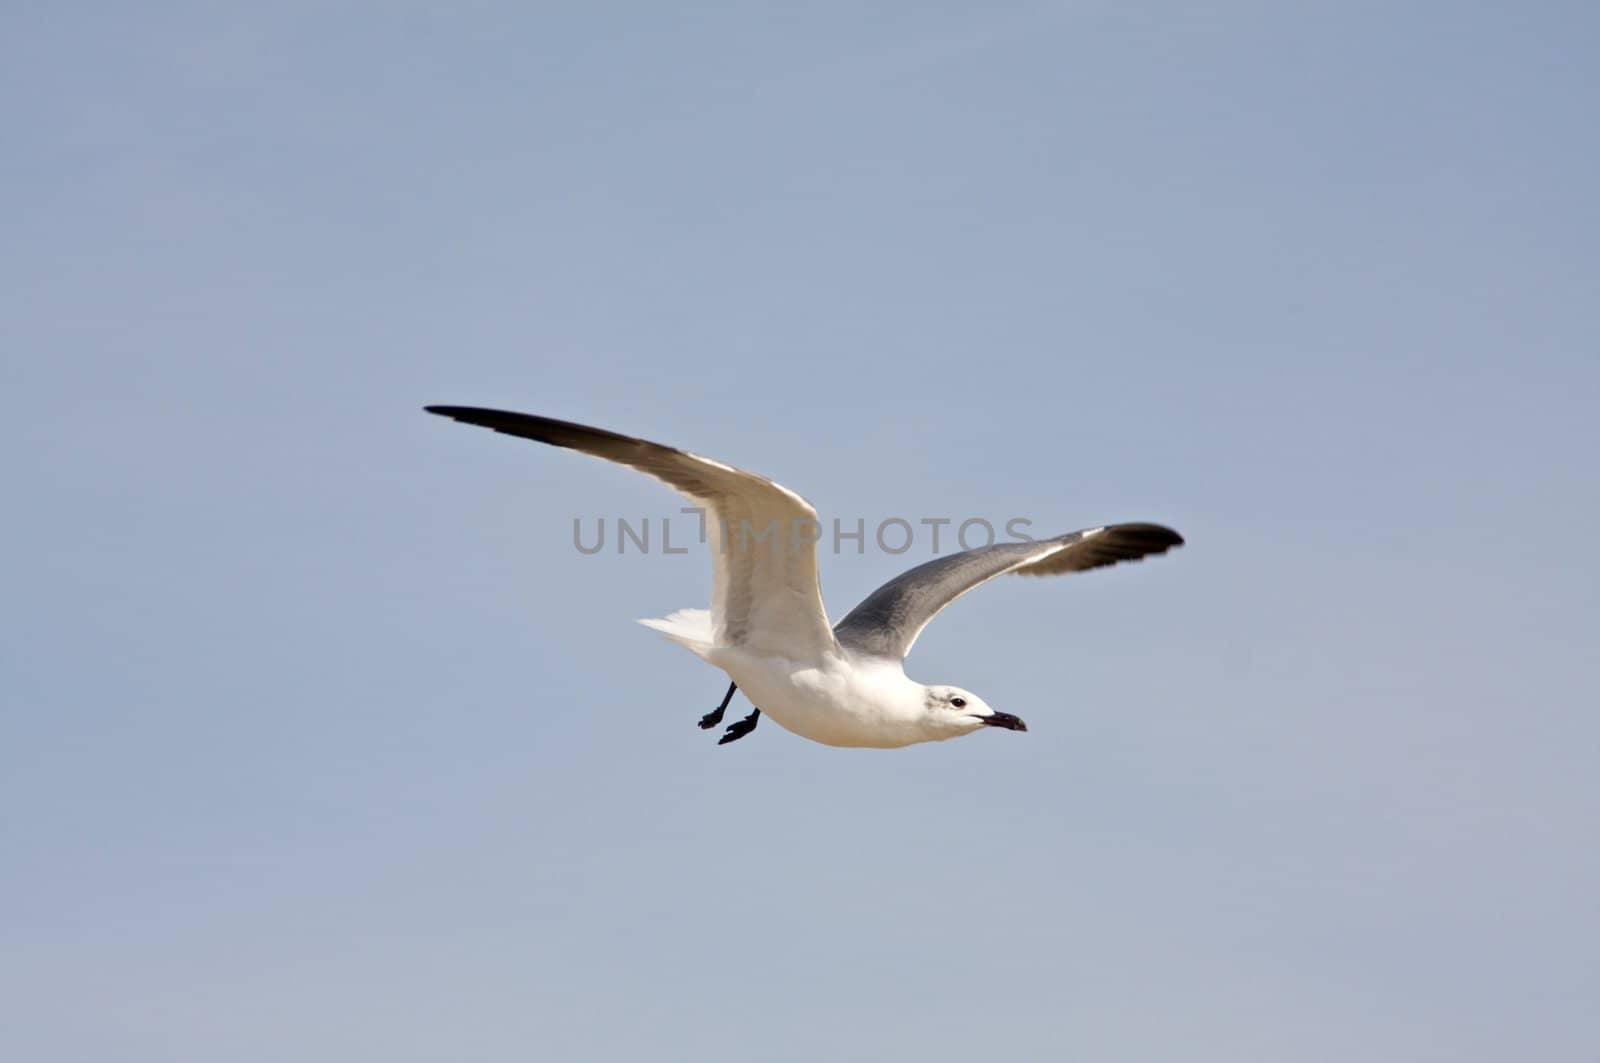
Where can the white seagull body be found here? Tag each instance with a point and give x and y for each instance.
(841, 685)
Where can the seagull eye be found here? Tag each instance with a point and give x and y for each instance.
(959, 703)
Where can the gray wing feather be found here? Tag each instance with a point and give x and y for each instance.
(888, 621)
(672, 466)
(765, 596)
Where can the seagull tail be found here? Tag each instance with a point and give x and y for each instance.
(689, 628)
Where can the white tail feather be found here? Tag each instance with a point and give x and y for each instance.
(689, 628)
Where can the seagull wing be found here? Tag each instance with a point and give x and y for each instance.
(764, 590)
(888, 622)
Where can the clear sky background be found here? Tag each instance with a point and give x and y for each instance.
(321, 742)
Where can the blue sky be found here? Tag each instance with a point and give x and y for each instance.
(323, 742)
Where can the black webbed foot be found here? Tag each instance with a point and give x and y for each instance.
(740, 728)
(714, 717)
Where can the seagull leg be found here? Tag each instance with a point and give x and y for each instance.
(714, 717)
(738, 730)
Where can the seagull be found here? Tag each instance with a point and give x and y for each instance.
(841, 685)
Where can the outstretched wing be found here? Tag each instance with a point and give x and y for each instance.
(888, 622)
(764, 590)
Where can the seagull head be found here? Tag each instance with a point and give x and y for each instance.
(953, 711)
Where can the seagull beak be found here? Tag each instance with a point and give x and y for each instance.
(1003, 719)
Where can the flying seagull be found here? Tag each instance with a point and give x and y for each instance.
(843, 685)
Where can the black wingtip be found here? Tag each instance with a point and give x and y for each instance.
(1151, 538)
(499, 420)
